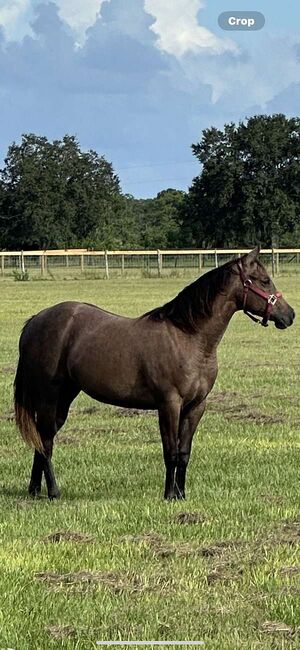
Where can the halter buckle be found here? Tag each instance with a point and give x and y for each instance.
(272, 299)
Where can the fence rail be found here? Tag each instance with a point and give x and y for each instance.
(149, 263)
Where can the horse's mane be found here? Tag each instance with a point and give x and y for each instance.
(194, 301)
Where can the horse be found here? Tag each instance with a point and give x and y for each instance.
(164, 360)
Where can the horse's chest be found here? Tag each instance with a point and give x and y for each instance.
(198, 381)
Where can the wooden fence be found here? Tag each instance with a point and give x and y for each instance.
(51, 263)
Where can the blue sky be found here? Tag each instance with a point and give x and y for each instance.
(138, 80)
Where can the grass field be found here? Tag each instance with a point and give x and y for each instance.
(222, 567)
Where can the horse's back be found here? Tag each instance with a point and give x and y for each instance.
(51, 335)
(45, 337)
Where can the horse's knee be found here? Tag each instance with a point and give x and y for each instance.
(183, 458)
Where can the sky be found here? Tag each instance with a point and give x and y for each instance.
(138, 80)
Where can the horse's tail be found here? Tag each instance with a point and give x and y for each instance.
(25, 412)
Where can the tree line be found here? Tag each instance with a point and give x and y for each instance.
(54, 195)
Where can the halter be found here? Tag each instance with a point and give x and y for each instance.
(271, 298)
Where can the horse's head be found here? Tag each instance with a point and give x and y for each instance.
(257, 294)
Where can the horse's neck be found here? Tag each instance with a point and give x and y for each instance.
(212, 329)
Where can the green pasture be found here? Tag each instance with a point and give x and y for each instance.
(111, 560)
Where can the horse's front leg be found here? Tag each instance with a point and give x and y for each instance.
(188, 424)
(169, 414)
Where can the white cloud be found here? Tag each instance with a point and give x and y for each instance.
(243, 82)
(176, 23)
(178, 29)
(16, 15)
(13, 17)
(79, 14)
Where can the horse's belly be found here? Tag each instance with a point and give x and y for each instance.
(125, 401)
(112, 381)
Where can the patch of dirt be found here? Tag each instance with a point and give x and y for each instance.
(222, 396)
(130, 413)
(272, 498)
(263, 364)
(68, 536)
(243, 412)
(9, 416)
(160, 546)
(64, 439)
(224, 575)
(189, 518)
(115, 580)
(60, 632)
(288, 532)
(275, 627)
(10, 368)
(26, 503)
(290, 591)
(291, 524)
(261, 418)
(164, 548)
(7, 451)
(149, 538)
(218, 548)
(290, 570)
(83, 429)
(88, 410)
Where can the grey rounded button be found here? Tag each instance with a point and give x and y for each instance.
(249, 21)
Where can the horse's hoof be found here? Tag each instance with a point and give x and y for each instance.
(175, 496)
(34, 491)
(180, 496)
(53, 495)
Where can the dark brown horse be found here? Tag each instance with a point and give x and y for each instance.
(164, 360)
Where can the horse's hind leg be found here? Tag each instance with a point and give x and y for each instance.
(36, 474)
(52, 488)
(66, 397)
(46, 424)
(50, 419)
(68, 393)
(42, 462)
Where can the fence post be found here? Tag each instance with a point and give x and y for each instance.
(22, 263)
(273, 261)
(159, 263)
(67, 260)
(106, 266)
(216, 259)
(2, 265)
(82, 263)
(122, 264)
(200, 262)
(42, 265)
(277, 263)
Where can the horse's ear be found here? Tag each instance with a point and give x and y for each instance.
(252, 256)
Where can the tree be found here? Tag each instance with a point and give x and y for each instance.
(248, 189)
(158, 220)
(55, 195)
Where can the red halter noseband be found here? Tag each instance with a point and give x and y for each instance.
(271, 298)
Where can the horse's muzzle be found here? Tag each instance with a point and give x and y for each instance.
(286, 320)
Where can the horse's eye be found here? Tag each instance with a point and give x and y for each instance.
(265, 281)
